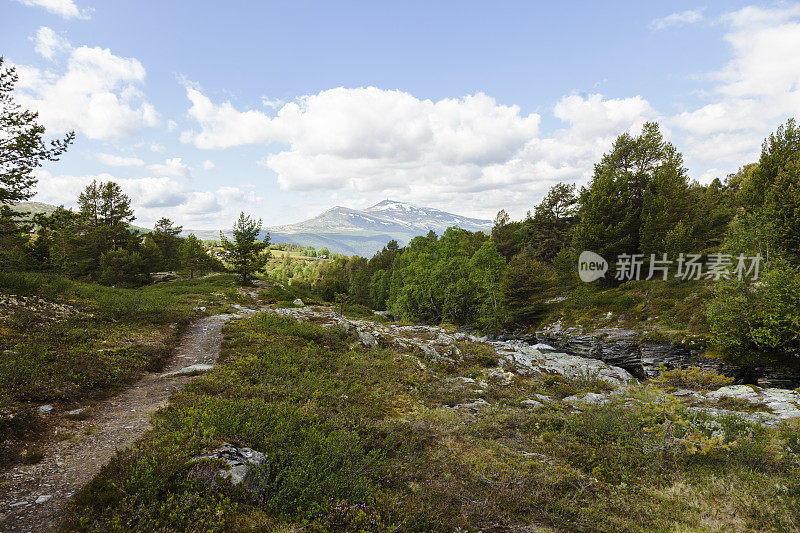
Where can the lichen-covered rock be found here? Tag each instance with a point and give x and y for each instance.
(240, 464)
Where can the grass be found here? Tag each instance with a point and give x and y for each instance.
(363, 440)
(670, 310)
(65, 343)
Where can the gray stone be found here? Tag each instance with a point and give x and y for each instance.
(473, 405)
(589, 397)
(367, 339)
(299, 303)
(192, 370)
(43, 498)
(46, 409)
(240, 464)
(533, 404)
(77, 412)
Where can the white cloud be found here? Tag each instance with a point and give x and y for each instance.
(755, 91)
(119, 161)
(49, 42)
(96, 93)
(171, 125)
(690, 16)
(63, 8)
(222, 125)
(154, 197)
(208, 165)
(369, 141)
(171, 167)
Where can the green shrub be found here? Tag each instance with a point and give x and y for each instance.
(691, 378)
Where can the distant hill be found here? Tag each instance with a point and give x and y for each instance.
(39, 208)
(364, 232)
(343, 230)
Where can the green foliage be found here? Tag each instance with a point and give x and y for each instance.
(523, 286)
(637, 195)
(757, 322)
(22, 148)
(779, 150)
(245, 251)
(194, 258)
(455, 278)
(121, 267)
(692, 378)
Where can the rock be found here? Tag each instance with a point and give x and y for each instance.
(589, 397)
(240, 464)
(783, 403)
(533, 404)
(543, 397)
(46, 409)
(686, 393)
(299, 303)
(739, 392)
(543, 346)
(367, 339)
(192, 370)
(158, 277)
(199, 309)
(77, 412)
(473, 405)
(43, 498)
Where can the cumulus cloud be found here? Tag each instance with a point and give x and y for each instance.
(49, 42)
(754, 92)
(119, 161)
(63, 8)
(690, 16)
(152, 197)
(96, 93)
(171, 167)
(369, 140)
(208, 165)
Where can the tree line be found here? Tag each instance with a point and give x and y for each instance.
(640, 200)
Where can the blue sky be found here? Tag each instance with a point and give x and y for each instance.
(283, 109)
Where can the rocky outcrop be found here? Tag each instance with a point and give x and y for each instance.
(623, 348)
(437, 344)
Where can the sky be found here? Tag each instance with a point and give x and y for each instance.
(201, 110)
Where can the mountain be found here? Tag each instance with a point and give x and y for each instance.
(364, 232)
(343, 230)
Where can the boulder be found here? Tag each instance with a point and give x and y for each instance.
(299, 303)
(240, 464)
(367, 339)
(192, 370)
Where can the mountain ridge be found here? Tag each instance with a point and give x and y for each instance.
(345, 230)
(366, 231)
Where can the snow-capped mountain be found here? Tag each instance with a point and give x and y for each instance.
(364, 232)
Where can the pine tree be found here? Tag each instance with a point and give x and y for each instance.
(22, 148)
(193, 256)
(244, 252)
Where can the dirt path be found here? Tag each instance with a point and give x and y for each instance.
(81, 447)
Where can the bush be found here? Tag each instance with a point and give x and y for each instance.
(759, 322)
(692, 378)
(121, 267)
